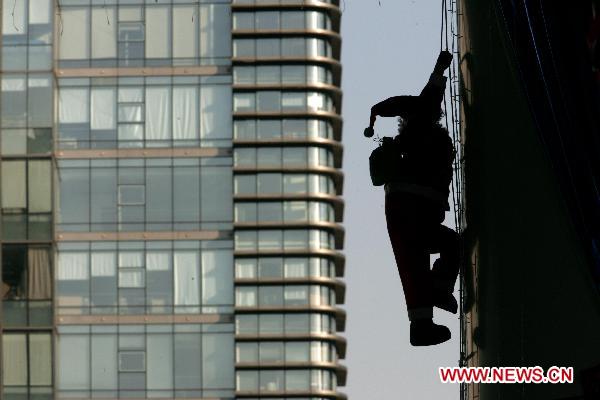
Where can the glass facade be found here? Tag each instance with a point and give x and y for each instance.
(170, 205)
(287, 214)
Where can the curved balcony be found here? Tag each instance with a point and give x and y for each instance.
(336, 174)
(332, 10)
(334, 91)
(334, 38)
(337, 285)
(337, 229)
(340, 342)
(333, 117)
(334, 145)
(336, 201)
(340, 371)
(338, 313)
(337, 257)
(309, 394)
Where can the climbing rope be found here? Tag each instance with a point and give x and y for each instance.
(449, 41)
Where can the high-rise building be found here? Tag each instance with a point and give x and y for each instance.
(171, 199)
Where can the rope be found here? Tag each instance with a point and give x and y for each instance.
(449, 36)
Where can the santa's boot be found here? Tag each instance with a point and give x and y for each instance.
(423, 332)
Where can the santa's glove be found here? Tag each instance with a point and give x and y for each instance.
(443, 62)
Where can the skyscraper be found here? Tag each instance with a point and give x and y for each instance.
(171, 199)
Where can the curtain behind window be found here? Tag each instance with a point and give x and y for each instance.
(39, 278)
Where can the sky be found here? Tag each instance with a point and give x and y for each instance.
(389, 48)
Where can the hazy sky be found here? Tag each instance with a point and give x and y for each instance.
(389, 48)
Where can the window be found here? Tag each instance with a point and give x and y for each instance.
(26, 199)
(27, 365)
(27, 282)
(162, 113)
(278, 156)
(246, 352)
(294, 323)
(271, 352)
(247, 129)
(269, 239)
(149, 35)
(273, 101)
(130, 36)
(138, 194)
(136, 281)
(154, 361)
(294, 47)
(27, 35)
(270, 381)
(132, 361)
(284, 20)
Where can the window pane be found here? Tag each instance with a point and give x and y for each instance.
(185, 32)
(267, 20)
(267, 47)
(268, 129)
(40, 181)
(158, 31)
(294, 184)
(13, 185)
(74, 40)
(246, 352)
(188, 361)
(243, 20)
(243, 75)
(160, 362)
(73, 362)
(268, 101)
(270, 267)
(102, 108)
(186, 187)
(246, 324)
(245, 268)
(104, 362)
(294, 73)
(104, 34)
(270, 295)
(292, 20)
(215, 108)
(269, 183)
(217, 361)
(187, 279)
(297, 380)
(215, 36)
(39, 101)
(297, 352)
(14, 105)
(217, 277)
(158, 113)
(185, 113)
(216, 185)
(271, 351)
(296, 267)
(14, 141)
(270, 323)
(159, 192)
(245, 296)
(270, 211)
(268, 74)
(297, 323)
(132, 194)
(245, 184)
(14, 359)
(247, 380)
(271, 381)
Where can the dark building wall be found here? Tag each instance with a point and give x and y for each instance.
(535, 302)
